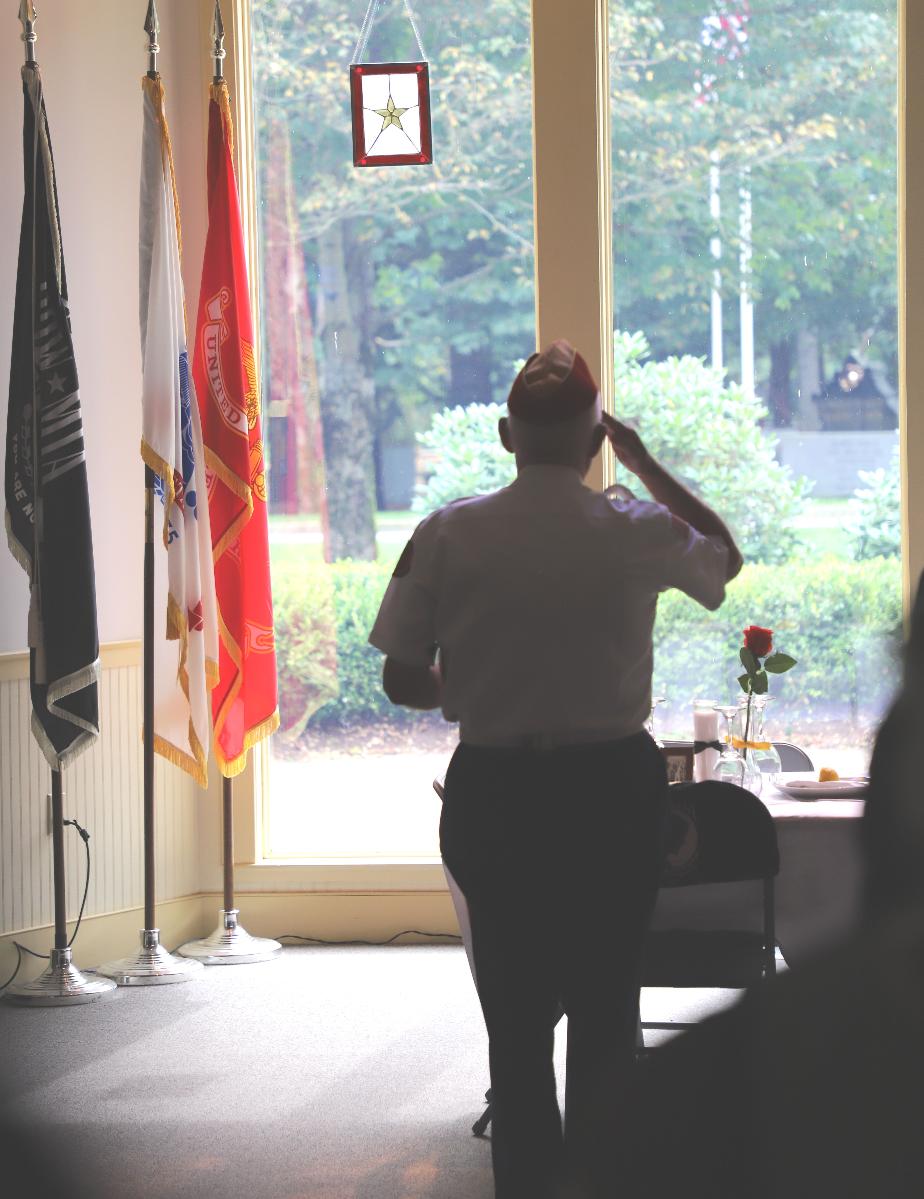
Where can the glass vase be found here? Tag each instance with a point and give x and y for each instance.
(766, 756)
(729, 766)
(761, 762)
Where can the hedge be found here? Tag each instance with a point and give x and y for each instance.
(840, 620)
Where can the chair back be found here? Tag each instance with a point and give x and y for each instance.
(792, 757)
(717, 833)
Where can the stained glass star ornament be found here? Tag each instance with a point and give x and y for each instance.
(391, 114)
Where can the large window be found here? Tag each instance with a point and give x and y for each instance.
(396, 304)
(755, 293)
(754, 275)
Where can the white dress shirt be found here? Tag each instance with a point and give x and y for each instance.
(540, 599)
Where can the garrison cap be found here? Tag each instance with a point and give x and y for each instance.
(554, 385)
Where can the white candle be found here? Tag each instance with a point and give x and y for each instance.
(705, 728)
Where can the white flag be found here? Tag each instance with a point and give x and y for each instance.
(186, 648)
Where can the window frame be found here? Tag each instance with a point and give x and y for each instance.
(574, 298)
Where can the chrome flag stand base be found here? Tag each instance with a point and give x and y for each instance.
(60, 985)
(231, 945)
(152, 965)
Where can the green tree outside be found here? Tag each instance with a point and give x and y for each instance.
(420, 279)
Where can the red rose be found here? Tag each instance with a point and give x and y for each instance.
(759, 641)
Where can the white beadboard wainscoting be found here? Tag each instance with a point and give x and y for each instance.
(103, 791)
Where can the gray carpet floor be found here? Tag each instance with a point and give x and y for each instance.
(329, 1073)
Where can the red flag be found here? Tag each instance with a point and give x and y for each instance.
(224, 370)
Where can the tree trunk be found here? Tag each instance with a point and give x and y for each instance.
(346, 407)
(810, 376)
(779, 395)
(289, 359)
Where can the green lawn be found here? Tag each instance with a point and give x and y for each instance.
(282, 556)
(821, 527)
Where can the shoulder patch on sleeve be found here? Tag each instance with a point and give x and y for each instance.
(403, 565)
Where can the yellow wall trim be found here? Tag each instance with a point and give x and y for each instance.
(105, 937)
(341, 916)
(328, 916)
(14, 666)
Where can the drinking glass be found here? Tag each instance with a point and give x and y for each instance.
(730, 766)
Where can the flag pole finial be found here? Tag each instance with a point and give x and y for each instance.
(152, 29)
(28, 16)
(218, 43)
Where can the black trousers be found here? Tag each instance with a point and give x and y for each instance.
(558, 854)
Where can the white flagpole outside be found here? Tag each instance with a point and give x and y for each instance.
(745, 302)
(715, 245)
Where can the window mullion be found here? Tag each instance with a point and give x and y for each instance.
(571, 183)
(911, 291)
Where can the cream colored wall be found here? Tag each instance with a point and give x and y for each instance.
(92, 57)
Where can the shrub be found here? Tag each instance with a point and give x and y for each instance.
(874, 523)
(471, 459)
(306, 640)
(328, 671)
(704, 431)
(707, 433)
(841, 620)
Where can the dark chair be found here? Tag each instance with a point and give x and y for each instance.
(717, 833)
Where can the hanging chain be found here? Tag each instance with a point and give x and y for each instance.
(360, 50)
(410, 17)
(369, 21)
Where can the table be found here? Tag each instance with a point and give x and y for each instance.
(818, 890)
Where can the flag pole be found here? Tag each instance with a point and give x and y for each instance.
(61, 984)
(152, 964)
(715, 248)
(230, 944)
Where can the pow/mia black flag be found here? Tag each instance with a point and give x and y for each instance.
(47, 504)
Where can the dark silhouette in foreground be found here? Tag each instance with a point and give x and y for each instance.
(812, 1086)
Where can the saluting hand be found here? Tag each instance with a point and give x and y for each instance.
(627, 445)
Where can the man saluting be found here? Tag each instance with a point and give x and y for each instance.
(527, 615)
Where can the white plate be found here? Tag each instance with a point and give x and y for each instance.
(852, 788)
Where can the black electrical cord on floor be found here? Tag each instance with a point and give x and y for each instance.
(407, 932)
(12, 977)
(85, 837)
(21, 949)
